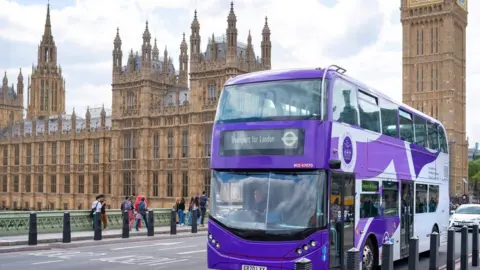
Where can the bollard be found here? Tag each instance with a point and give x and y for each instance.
(387, 259)
(475, 245)
(434, 249)
(97, 234)
(173, 222)
(194, 221)
(303, 264)
(451, 249)
(413, 254)
(353, 259)
(151, 225)
(67, 230)
(32, 229)
(126, 224)
(464, 249)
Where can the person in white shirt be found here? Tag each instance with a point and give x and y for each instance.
(97, 207)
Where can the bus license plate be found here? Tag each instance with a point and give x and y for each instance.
(253, 267)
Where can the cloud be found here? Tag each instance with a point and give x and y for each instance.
(365, 37)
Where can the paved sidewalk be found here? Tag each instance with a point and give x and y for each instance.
(47, 238)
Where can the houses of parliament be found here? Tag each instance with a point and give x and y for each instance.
(156, 142)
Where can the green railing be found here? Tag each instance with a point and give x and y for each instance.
(16, 223)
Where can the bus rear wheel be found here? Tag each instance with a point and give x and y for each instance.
(370, 256)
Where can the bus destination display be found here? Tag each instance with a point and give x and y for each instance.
(288, 142)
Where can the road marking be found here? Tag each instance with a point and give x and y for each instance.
(172, 248)
(112, 258)
(66, 254)
(47, 262)
(159, 244)
(190, 252)
(140, 260)
(173, 261)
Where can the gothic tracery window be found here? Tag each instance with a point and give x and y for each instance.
(131, 100)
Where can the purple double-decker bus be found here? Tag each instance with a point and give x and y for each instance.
(309, 163)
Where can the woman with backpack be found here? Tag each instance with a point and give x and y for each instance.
(141, 213)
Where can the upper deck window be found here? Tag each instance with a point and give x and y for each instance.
(267, 101)
(344, 102)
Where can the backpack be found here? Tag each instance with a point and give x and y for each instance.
(125, 206)
(141, 208)
(203, 201)
(92, 211)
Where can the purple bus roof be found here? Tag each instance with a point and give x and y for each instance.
(312, 73)
(276, 75)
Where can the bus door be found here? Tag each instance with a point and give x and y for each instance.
(406, 217)
(342, 218)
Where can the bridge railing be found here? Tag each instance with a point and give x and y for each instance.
(16, 222)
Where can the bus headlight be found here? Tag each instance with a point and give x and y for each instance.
(217, 245)
(210, 236)
(299, 251)
(313, 243)
(305, 247)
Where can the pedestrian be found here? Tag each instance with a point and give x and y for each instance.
(128, 206)
(137, 202)
(203, 207)
(142, 213)
(181, 212)
(190, 207)
(194, 208)
(96, 208)
(104, 215)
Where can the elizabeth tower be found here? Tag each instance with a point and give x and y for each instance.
(434, 77)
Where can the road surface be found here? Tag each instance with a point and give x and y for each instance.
(175, 254)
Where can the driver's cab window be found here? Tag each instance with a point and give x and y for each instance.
(344, 102)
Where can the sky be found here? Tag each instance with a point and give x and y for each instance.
(365, 37)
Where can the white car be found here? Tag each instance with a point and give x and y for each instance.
(465, 215)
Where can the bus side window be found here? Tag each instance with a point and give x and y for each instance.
(406, 126)
(390, 198)
(443, 140)
(421, 200)
(432, 136)
(344, 103)
(433, 193)
(369, 112)
(420, 131)
(389, 113)
(369, 205)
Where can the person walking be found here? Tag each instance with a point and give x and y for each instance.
(142, 213)
(181, 212)
(203, 207)
(96, 208)
(127, 205)
(104, 215)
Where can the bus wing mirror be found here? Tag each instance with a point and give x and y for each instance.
(334, 164)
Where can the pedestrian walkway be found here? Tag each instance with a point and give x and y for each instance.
(46, 238)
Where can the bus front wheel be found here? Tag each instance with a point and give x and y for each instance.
(370, 255)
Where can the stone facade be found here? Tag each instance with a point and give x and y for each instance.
(156, 141)
(434, 46)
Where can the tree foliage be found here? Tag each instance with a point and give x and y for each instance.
(474, 170)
